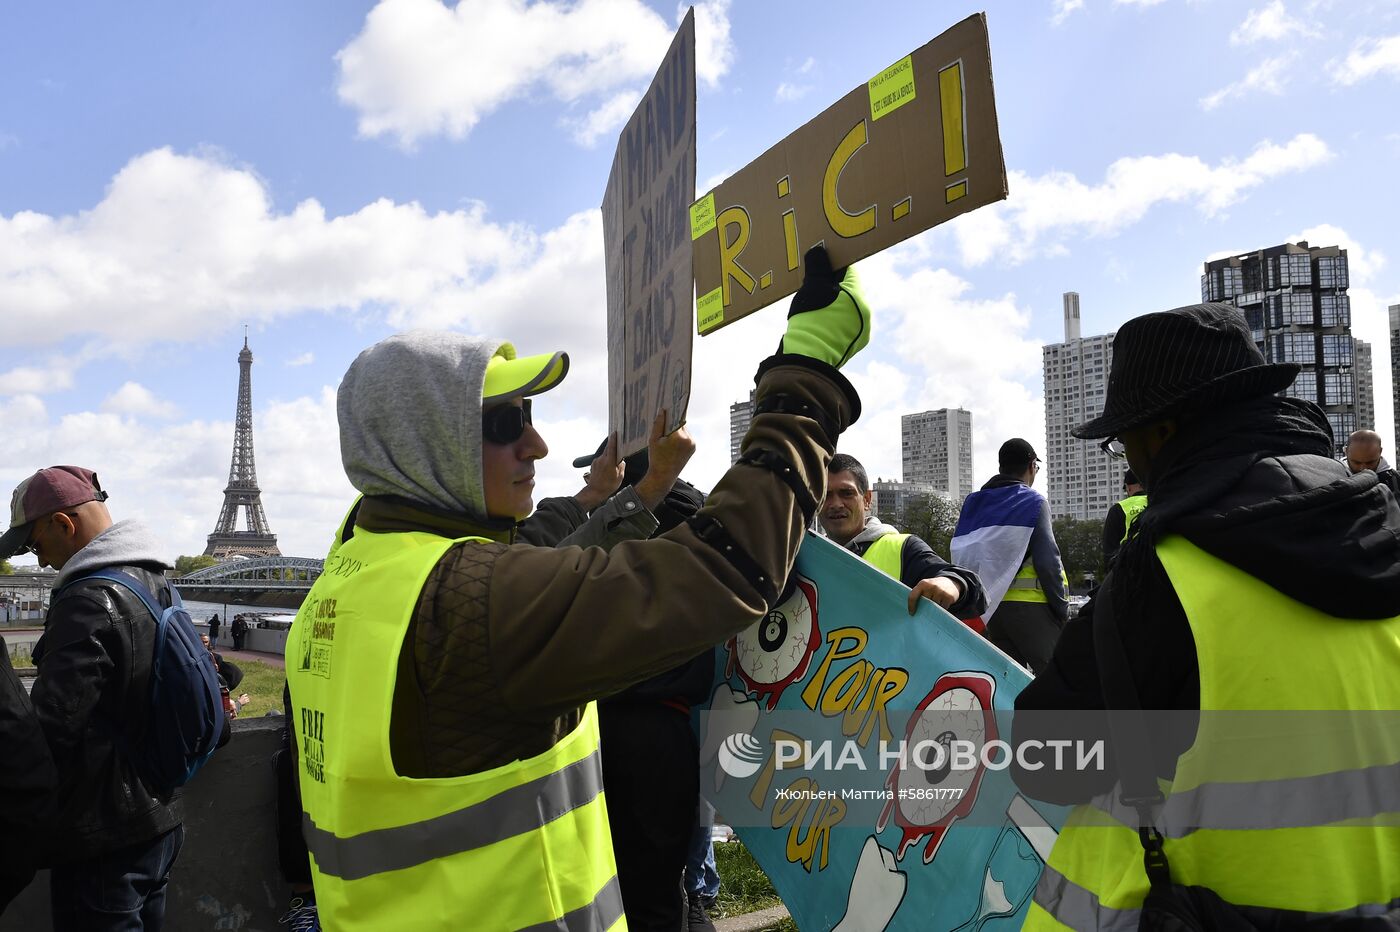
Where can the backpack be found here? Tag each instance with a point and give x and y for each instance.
(185, 713)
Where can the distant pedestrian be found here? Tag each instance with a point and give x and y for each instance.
(1363, 451)
(240, 631)
(1005, 537)
(1121, 516)
(214, 628)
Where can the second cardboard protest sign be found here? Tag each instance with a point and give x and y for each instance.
(647, 252)
(913, 147)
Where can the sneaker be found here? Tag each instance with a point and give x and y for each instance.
(302, 916)
(697, 920)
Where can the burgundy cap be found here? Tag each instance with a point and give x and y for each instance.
(48, 490)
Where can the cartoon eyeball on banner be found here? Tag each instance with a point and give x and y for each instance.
(927, 800)
(773, 653)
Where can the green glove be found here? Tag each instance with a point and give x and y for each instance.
(829, 319)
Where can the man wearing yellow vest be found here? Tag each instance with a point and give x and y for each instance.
(846, 519)
(1121, 516)
(1259, 599)
(442, 680)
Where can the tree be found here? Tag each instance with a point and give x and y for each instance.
(187, 564)
(1081, 547)
(6, 569)
(931, 517)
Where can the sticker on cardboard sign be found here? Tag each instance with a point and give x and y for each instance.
(892, 88)
(702, 216)
(709, 310)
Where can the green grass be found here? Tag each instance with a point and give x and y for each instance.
(263, 684)
(744, 888)
(20, 656)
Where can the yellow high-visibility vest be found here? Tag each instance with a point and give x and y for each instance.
(1247, 814)
(1132, 507)
(886, 554)
(521, 846)
(1025, 587)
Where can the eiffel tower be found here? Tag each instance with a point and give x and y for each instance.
(242, 492)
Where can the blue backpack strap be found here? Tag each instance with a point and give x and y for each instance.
(130, 582)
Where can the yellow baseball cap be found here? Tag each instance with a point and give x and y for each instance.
(510, 377)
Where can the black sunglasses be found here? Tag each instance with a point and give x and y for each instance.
(1114, 448)
(505, 423)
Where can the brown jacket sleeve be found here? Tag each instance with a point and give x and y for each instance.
(570, 625)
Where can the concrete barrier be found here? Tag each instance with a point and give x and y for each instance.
(226, 877)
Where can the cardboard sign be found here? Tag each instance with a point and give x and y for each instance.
(881, 846)
(915, 146)
(646, 241)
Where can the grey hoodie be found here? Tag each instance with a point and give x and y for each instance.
(125, 542)
(410, 419)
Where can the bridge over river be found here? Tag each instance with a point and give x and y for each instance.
(278, 582)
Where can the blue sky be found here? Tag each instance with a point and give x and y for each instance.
(329, 173)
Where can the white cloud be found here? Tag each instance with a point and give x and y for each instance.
(788, 92)
(1270, 76)
(714, 50)
(305, 359)
(181, 245)
(1063, 9)
(956, 350)
(1269, 22)
(37, 380)
(606, 119)
(1044, 211)
(807, 66)
(1137, 3)
(135, 399)
(172, 476)
(1368, 58)
(420, 68)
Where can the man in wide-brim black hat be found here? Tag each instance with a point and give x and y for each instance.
(1260, 576)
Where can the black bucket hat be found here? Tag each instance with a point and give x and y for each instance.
(1181, 360)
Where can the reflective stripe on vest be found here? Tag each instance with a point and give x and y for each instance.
(522, 808)
(524, 846)
(1069, 905)
(1026, 586)
(1132, 507)
(886, 554)
(1248, 813)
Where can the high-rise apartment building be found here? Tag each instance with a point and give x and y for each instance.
(1365, 392)
(740, 416)
(1081, 480)
(1395, 368)
(890, 498)
(1294, 298)
(937, 450)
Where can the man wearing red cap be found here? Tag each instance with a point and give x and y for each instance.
(113, 840)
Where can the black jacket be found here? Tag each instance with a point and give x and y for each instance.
(917, 561)
(94, 663)
(1297, 522)
(26, 771)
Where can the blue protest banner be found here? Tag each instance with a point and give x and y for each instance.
(858, 752)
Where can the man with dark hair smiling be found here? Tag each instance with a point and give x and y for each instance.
(846, 519)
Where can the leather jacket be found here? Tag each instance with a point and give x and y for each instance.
(94, 663)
